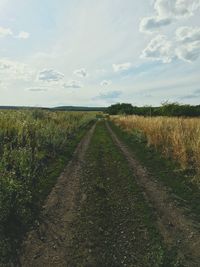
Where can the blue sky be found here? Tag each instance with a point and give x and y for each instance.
(96, 53)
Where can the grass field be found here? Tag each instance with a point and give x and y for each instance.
(166, 171)
(78, 189)
(175, 138)
(34, 148)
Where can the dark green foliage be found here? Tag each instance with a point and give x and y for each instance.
(123, 108)
(167, 109)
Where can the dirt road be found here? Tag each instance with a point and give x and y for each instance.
(107, 211)
(47, 244)
(175, 227)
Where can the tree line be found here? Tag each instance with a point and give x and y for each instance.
(166, 109)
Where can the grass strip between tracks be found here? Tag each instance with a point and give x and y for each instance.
(114, 225)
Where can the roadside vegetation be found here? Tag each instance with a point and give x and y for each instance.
(34, 148)
(175, 138)
(181, 177)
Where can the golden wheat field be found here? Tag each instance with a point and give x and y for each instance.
(177, 138)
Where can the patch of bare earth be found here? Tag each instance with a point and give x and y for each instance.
(49, 243)
(177, 230)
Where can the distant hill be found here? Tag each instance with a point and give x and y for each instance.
(8, 107)
(20, 107)
(62, 108)
(74, 108)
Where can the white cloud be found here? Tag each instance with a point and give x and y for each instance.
(188, 39)
(72, 84)
(188, 34)
(106, 83)
(189, 52)
(50, 75)
(23, 35)
(15, 70)
(121, 67)
(5, 65)
(5, 32)
(153, 23)
(176, 8)
(159, 48)
(81, 73)
(168, 11)
(186, 46)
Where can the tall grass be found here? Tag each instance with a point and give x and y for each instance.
(176, 138)
(30, 143)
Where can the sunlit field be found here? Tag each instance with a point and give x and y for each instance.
(176, 138)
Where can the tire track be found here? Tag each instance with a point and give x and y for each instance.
(177, 230)
(49, 243)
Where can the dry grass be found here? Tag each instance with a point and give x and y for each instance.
(177, 138)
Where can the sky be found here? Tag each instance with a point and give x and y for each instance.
(97, 53)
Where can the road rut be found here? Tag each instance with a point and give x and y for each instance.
(177, 230)
(47, 245)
